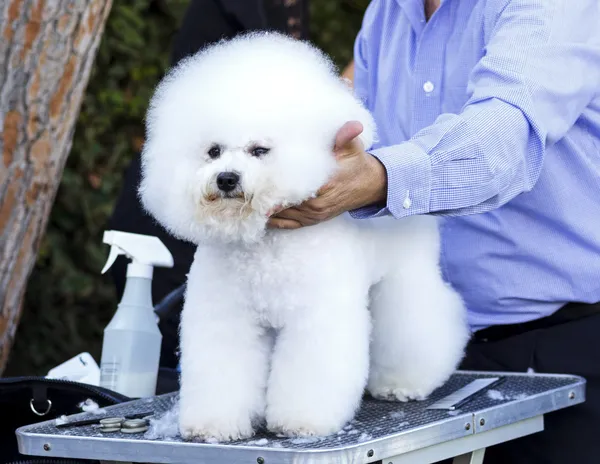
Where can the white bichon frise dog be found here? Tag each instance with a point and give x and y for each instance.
(286, 327)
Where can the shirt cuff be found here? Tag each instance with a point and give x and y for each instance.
(408, 170)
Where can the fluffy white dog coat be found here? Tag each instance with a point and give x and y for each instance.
(288, 327)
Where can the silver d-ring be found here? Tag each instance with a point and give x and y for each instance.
(48, 402)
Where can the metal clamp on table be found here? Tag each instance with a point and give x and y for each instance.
(470, 412)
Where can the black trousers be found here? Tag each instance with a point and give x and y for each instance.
(571, 435)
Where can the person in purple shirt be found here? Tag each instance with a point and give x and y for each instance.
(488, 115)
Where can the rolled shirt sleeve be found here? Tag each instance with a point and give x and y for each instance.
(540, 69)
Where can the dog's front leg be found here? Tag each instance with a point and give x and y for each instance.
(224, 359)
(320, 364)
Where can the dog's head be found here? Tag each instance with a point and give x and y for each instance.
(240, 127)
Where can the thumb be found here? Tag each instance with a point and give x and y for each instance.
(348, 132)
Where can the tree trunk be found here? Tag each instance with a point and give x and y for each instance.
(47, 48)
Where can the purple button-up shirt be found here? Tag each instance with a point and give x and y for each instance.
(489, 117)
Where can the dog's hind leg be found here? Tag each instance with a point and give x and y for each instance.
(320, 364)
(224, 362)
(419, 322)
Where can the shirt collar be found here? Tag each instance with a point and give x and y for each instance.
(415, 12)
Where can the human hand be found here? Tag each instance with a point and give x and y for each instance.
(360, 180)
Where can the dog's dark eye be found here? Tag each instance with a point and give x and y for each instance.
(214, 151)
(259, 151)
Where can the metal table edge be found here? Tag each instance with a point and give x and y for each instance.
(383, 447)
(530, 407)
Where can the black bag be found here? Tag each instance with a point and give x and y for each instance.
(28, 400)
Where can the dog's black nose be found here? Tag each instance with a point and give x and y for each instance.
(227, 181)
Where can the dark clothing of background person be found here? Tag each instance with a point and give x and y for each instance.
(205, 22)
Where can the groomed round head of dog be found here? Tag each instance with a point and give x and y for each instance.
(239, 128)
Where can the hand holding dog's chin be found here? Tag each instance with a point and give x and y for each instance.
(361, 180)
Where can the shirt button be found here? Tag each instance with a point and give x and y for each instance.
(407, 203)
(428, 87)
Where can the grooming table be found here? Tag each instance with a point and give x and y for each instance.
(390, 432)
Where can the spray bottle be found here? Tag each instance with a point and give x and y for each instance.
(132, 339)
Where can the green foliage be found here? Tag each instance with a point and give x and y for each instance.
(334, 25)
(68, 301)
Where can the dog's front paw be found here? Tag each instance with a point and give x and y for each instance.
(215, 431)
(220, 426)
(292, 422)
(396, 387)
(299, 428)
(397, 393)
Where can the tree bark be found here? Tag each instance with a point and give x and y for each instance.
(47, 48)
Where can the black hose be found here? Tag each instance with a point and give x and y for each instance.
(169, 302)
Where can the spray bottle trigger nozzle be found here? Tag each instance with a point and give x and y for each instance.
(144, 251)
(112, 256)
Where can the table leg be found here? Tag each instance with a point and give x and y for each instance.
(474, 457)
